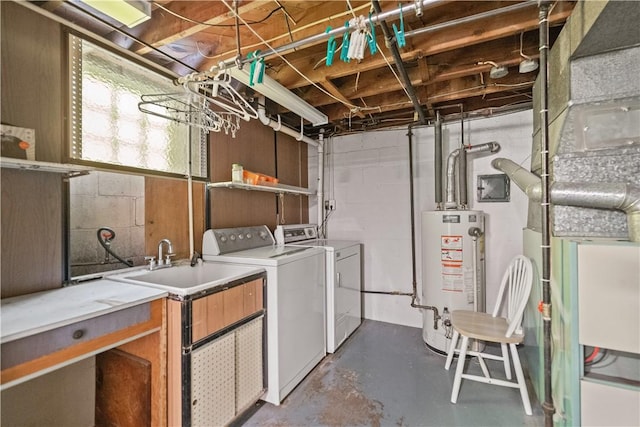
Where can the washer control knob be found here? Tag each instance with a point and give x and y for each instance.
(263, 235)
(232, 237)
(223, 238)
(249, 235)
(240, 236)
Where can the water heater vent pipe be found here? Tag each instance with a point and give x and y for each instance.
(451, 201)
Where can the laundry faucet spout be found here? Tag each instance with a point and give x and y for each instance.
(164, 260)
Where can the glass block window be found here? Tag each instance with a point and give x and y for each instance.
(106, 125)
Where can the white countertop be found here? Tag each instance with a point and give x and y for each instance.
(30, 314)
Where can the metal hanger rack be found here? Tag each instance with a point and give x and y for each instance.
(211, 104)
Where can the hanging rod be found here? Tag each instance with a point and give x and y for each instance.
(381, 17)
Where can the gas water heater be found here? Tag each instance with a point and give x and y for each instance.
(453, 273)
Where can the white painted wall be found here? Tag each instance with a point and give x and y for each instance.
(368, 176)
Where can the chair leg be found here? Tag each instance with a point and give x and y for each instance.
(452, 349)
(505, 360)
(458, 378)
(522, 385)
(483, 366)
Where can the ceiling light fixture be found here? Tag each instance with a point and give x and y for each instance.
(497, 71)
(528, 64)
(128, 12)
(281, 95)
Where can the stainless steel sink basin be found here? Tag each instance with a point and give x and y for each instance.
(186, 280)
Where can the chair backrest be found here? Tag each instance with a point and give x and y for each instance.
(517, 282)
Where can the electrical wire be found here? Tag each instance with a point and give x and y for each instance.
(320, 88)
(193, 21)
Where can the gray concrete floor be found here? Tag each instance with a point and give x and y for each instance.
(384, 375)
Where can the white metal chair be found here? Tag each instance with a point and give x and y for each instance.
(516, 284)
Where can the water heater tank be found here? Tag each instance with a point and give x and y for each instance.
(448, 270)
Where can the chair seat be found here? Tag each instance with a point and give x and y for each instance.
(483, 326)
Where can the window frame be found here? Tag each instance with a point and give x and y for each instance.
(68, 98)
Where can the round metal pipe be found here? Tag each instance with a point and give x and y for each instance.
(547, 405)
(438, 160)
(393, 46)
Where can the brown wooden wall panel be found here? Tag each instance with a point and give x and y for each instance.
(259, 149)
(254, 148)
(32, 80)
(167, 215)
(31, 232)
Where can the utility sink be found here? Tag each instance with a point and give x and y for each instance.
(187, 280)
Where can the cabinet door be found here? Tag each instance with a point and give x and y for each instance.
(252, 297)
(216, 311)
(207, 316)
(249, 367)
(213, 382)
(233, 301)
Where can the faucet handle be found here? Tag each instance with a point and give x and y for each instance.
(152, 261)
(168, 258)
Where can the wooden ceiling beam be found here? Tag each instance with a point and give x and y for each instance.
(168, 28)
(431, 44)
(439, 93)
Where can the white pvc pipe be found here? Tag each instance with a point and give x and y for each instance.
(299, 136)
(262, 115)
(320, 191)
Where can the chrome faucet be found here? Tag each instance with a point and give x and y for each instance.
(160, 262)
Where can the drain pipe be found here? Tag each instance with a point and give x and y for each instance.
(451, 202)
(320, 191)
(414, 295)
(278, 127)
(392, 44)
(319, 144)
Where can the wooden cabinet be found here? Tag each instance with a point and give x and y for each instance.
(215, 353)
(48, 357)
(222, 309)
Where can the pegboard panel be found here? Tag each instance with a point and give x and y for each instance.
(213, 382)
(249, 382)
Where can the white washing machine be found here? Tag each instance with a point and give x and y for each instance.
(343, 280)
(295, 300)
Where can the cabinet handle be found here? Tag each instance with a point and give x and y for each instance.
(339, 281)
(77, 334)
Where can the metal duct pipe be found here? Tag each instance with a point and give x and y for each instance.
(618, 196)
(529, 183)
(393, 46)
(437, 160)
(451, 202)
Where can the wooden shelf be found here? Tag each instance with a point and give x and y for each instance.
(33, 165)
(277, 188)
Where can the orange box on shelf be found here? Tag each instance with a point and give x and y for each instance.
(250, 177)
(254, 178)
